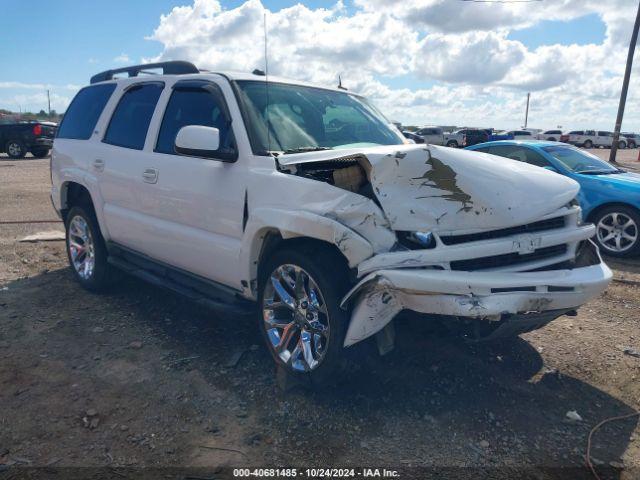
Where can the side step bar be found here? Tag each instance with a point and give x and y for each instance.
(202, 291)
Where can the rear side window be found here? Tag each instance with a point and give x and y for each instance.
(193, 106)
(576, 132)
(521, 154)
(130, 121)
(83, 113)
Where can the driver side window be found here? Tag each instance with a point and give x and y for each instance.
(193, 106)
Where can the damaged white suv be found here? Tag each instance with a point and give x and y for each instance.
(237, 191)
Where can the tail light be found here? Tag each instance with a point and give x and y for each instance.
(464, 140)
(37, 130)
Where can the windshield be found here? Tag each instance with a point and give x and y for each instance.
(298, 118)
(579, 161)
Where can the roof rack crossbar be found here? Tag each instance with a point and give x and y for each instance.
(176, 67)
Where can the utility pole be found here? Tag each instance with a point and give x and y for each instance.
(49, 102)
(526, 115)
(625, 87)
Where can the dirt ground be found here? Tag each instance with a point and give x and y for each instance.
(141, 378)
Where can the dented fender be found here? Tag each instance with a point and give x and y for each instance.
(294, 224)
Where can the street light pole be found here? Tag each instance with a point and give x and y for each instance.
(625, 88)
(526, 114)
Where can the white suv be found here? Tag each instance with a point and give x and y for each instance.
(593, 138)
(303, 200)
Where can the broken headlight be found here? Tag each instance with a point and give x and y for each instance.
(416, 240)
(574, 203)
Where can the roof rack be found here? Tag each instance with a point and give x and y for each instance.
(176, 67)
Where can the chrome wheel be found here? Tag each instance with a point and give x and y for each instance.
(81, 248)
(295, 318)
(14, 149)
(617, 232)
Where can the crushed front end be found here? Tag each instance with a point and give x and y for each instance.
(478, 238)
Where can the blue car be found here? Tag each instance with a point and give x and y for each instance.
(609, 196)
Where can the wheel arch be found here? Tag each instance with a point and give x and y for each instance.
(72, 194)
(268, 230)
(593, 213)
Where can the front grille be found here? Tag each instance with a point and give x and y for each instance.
(508, 259)
(550, 224)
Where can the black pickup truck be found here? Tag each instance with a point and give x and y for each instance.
(16, 139)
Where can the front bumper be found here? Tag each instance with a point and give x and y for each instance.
(482, 295)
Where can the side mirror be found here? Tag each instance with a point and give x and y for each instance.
(551, 169)
(198, 141)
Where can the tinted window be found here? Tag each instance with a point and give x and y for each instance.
(552, 132)
(130, 121)
(603, 134)
(83, 113)
(192, 106)
(519, 153)
(576, 132)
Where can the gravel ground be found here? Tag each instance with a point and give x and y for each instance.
(141, 378)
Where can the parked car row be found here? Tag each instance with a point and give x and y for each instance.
(472, 136)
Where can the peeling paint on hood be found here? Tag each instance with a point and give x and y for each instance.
(445, 190)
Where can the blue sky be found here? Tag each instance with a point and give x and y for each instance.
(60, 44)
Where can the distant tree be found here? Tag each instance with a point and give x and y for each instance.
(42, 113)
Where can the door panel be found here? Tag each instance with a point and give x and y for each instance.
(190, 208)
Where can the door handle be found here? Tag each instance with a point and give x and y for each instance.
(150, 175)
(98, 164)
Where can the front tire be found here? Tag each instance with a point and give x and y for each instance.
(618, 231)
(452, 144)
(588, 144)
(622, 145)
(15, 149)
(86, 250)
(301, 320)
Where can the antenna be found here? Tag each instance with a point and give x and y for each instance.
(340, 83)
(266, 83)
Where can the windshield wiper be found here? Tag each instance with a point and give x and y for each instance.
(599, 172)
(306, 149)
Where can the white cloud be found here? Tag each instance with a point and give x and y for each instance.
(122, 58)
(472, 57)
(465, 68)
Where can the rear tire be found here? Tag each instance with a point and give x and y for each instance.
(300, 291)
(40, 152)
(622, 145)
(551, 139)
(86, 249)
(15, 149)
(452, 144)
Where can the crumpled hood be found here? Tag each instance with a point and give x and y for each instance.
(446, 191)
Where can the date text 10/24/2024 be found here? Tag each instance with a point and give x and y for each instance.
(315, 473)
